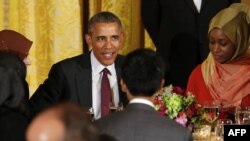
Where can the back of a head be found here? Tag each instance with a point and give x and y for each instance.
(78, 124)
(14, 42)
(14, 91)
(62, 122)
(106, 137)
(143, 72)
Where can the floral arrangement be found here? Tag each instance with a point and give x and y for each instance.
(183, 108)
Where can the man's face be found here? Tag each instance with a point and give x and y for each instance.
(105, 41)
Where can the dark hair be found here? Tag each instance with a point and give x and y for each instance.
(103, 17)
(14, 91)
(106, 137)
(143, 71)
(78, 125)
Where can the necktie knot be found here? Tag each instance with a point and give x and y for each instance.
(105, 71)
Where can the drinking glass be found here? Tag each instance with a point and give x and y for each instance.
(211, 110)
(242, 116)
(115, 108)
(91, 114)
(219, 128)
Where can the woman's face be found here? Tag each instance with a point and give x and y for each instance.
(27, 61)
(221, 47)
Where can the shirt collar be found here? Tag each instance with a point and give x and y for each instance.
(141, 100)
(97, 67)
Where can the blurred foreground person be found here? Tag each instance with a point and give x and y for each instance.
(62, 122)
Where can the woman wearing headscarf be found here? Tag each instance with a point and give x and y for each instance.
(224, 76)
(14, 96)
(14, 42)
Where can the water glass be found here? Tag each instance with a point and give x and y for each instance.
(242, 116)
(219, 128)
(211, 113)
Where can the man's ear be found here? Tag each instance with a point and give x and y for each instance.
(123, 86)
(122, 36)
(88, 41)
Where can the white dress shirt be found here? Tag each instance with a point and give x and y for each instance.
(197, 4)
(97, 68)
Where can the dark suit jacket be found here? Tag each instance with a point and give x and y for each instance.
(140, 122)
(13, 125)
(180, 33)
(69, 80)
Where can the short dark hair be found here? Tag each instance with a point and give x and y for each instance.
(103, 17)
(143, 72)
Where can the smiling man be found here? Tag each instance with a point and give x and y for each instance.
(78, 79)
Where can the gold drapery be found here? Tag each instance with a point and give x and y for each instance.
(56, 28)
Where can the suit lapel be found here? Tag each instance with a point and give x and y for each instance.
(83, 78)
(190, 3)
(84, 81)
(203, 4)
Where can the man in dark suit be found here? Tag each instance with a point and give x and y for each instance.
(77, 79)
(179, 29)
(142, 75)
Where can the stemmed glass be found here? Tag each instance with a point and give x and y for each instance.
(242, 116)
(219, 128)
(211, 110)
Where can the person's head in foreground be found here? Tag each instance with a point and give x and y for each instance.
(62, 122)
(142, 74)
(105, 37)
(14, 42)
